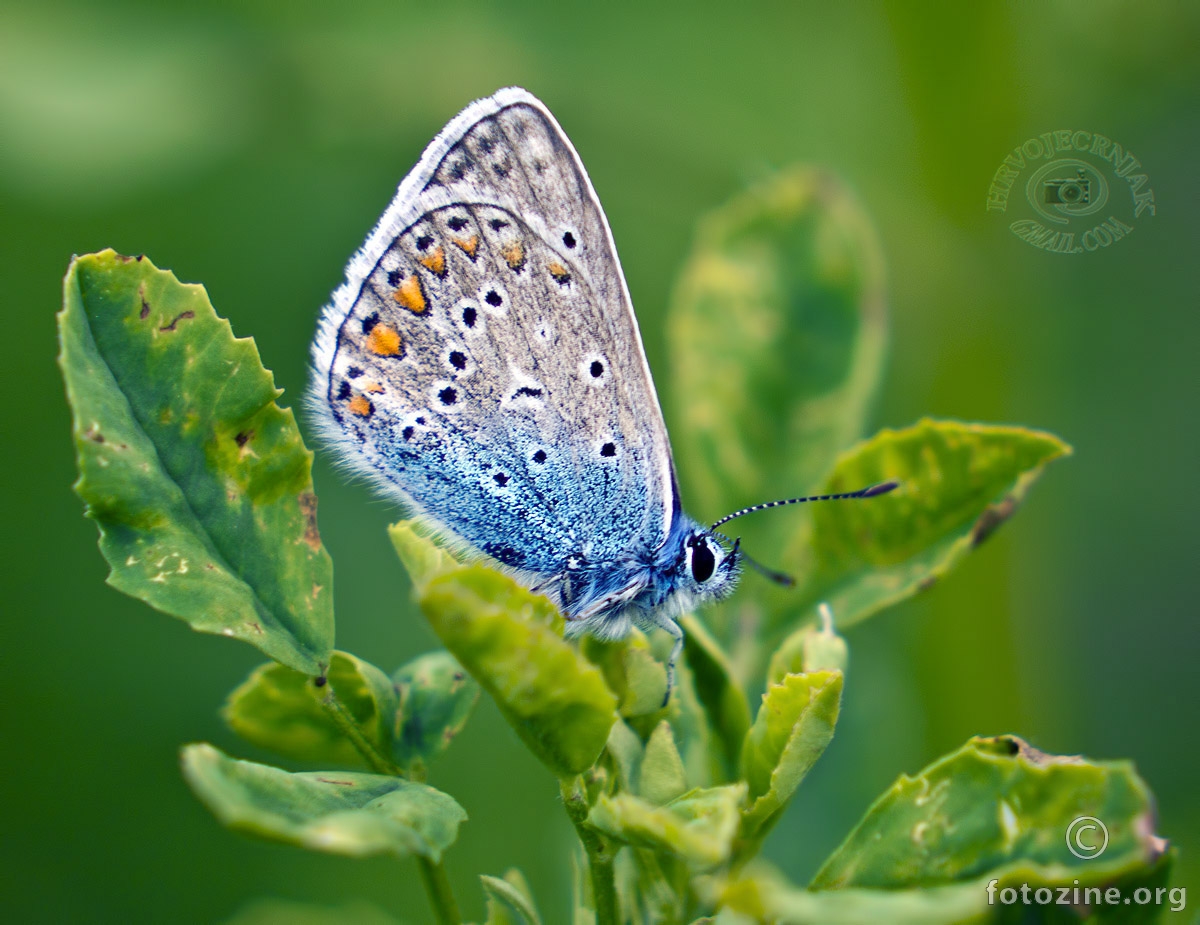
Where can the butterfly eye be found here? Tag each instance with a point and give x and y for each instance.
(703, 563)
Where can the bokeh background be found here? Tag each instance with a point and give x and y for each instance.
(250, 146)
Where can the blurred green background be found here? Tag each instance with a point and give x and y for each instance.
(251, 146)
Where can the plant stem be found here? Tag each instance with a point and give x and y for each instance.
(599, 852)
(346, 723)
(437, 887)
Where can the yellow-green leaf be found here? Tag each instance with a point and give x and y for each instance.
(510, 641)
(813, 647)
(423, 559)
(794, 725)
(662, 778)
(698, 826)
(200, 484)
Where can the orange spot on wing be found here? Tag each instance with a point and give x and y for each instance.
(468, 245)
(384, 341)
(514, 254)
(373, 387)
(411, 295)
(559, 272)
(361, 406)
(435, 261)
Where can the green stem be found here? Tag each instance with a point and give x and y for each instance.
(599, 852)
(349, 726)
(437, 887)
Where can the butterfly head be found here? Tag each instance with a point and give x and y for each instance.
(709, 569)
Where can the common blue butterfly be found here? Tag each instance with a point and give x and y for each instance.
(482, 365)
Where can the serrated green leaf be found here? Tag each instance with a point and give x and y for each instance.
(958, 483)
(339, 812)
(993, 803)
(661, 777)
(509, 901)
(200, 484)
(510, 641)
(718, 690)
(279, 709)
(777, 328)
(698, 826)
(436, 698)
(794, 725)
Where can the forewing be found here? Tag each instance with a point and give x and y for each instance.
(483, 359)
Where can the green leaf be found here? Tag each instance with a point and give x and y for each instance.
(662, 778)
(624, 748)
(339, 812)
(509, 901)
(718, 690)
(794, 725)
(958, 483)
(763, 896)
(436, 698)
(198, 481)
(810, 648)
(995, 803)
(423, 559)
(777, 327)
(510, 640)
(698, 826)
(289, 912)
(280, 709)
(631, 672)
(766, 898)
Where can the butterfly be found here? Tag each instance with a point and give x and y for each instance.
(482, 365)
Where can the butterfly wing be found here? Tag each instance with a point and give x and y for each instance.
(482, 361)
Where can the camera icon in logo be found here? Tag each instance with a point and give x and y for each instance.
(1069, 191)
(1066, 189)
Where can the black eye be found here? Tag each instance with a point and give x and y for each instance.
(703, 560)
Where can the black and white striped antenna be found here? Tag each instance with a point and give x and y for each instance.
(871, 491)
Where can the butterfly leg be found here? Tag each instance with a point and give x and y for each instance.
(658, 619)
(676, 650)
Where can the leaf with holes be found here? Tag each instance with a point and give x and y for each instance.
(958, 483)
(279, 709)
(777, 327)
(199, 482)
(997, 803)
(339, 812)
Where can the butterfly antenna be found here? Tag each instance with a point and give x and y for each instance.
(780, 578)
(870, 491)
